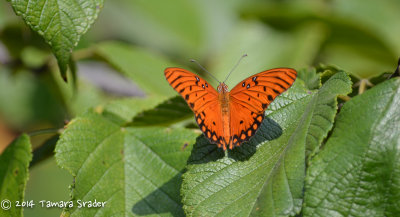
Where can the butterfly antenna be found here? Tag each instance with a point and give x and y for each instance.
(194, 61)
(234, 67)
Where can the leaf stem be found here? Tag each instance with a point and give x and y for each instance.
(46, 131)
(363, 85)
(83, 53)
(345, 98)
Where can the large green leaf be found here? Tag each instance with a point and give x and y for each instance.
(14, 163)
(143, 67)
(263, 177)
(358, 171)
(61, 23)
(325, 109)
(137, 171)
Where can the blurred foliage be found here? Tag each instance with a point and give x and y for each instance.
(135, 40)
(294, 34)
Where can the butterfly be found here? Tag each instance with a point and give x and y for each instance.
(229, 118)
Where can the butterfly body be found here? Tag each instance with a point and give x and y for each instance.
(223, 96)
(228, 118)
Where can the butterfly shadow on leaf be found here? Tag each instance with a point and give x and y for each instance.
(164, 200)
(204, 152)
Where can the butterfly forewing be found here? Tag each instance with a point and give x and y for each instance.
(201, 97)
(250, 98)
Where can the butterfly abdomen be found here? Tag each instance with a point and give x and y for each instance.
(223, 98)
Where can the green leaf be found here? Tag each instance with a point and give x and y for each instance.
(143, 67)
(134, 171)
(358, 171)
(14, 163)
(310, 77)
(60, 23)
(214, 186)
(323, 118)
(122, 111)
(265, 176)
(170, 111)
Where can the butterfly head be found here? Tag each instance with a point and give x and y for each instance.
(222, 87)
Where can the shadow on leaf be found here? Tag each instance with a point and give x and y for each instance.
(166, 199)
(204, 152)
(269, 130)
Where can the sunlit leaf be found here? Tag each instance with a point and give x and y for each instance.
(357, 172)
(263, 177)
(131, 169)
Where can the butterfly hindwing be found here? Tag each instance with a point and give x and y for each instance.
(250, 98)
(244, 123)
(210, 123)
(201, 97)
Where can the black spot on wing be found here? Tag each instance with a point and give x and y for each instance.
(254, 80)
(264, 105)
(249, 132)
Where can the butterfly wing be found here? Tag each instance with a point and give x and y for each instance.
(202, 98)
(249, 99)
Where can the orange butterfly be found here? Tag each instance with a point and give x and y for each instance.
(230, 118)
